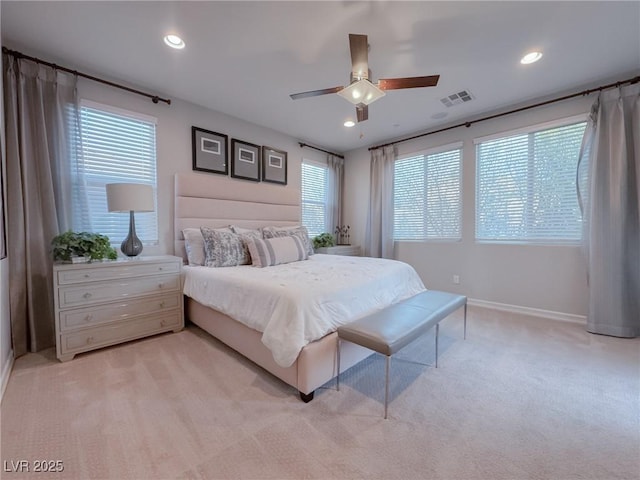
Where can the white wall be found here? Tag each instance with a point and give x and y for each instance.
(550, 278)
(174, 144)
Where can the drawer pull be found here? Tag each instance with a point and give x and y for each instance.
(89, 340)
(159, 268)
(86, 295)
(160, 285)
(86, 275)
(88, 318)
(162, 323)
(162, 304)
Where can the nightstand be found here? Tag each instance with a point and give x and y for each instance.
(347, 250)
(104, 303)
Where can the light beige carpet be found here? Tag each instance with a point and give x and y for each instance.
(521, 398)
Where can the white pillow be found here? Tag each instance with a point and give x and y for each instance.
(194, 244)
(275, 251)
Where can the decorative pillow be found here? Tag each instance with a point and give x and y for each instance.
(223, 249)
(246, 237)
(275, 251)
(254, 232)
(300, 230)
(194, 244)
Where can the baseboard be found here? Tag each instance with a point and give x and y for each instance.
(6, 371)
(536, 312)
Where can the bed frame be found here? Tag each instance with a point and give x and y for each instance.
(216, 201)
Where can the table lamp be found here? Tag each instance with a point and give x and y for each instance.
(130, 197)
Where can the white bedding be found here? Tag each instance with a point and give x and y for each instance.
(297, 303)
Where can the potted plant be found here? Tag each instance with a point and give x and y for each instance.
(82, 246)
(323, 240)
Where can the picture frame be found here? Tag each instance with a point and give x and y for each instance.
(209, 151)
(245, 160)
(274, 165)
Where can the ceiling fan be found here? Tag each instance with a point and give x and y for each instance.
(362, 91)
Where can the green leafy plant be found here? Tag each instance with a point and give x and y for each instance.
(93, 246)
(323, 240)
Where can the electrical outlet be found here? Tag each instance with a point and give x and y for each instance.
(456, 279)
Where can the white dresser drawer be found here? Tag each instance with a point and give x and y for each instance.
(92, 293)
(92, 274)
(89, 339)
(104, 303)
(113, 312)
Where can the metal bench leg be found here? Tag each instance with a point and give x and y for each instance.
(338, 362)
(437, 331)
(465, 320)
(386, 387)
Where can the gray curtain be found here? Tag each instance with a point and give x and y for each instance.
(40, 107)
(335, 166)
(611, 209)
(379, 234)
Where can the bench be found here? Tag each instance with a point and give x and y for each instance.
(391, 329)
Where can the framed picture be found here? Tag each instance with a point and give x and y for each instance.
(209, 151)
(274, 165)
(245, 160)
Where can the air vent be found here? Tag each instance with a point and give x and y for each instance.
(457, 98)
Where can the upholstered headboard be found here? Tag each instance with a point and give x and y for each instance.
(215, 201)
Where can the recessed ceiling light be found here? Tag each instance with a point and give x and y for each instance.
(531, 58)
(174, 41)
(349, 123)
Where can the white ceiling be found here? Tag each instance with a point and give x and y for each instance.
(245, 58)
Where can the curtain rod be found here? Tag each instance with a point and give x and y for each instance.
(554, 100)
(16, 54)
(302, 145)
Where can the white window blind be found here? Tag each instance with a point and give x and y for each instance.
(526, 186)
(113, 147)
(427, 196)
(314, 198)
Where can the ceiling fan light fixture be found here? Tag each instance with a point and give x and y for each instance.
(361, 91)
(174, 41)
(531, 57)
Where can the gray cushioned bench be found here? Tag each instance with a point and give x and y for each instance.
(392, 328)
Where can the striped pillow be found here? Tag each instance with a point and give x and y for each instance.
(300, 230)
(274, 251)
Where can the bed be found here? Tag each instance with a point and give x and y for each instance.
(216, 202)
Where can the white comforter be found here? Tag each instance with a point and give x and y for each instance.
(300, 302)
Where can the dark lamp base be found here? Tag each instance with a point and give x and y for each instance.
(131, 246)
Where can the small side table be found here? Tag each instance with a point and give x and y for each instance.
(346, 250)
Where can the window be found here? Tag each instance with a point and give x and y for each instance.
(113, 146)
(427, 196)
(314, 198)
(526, 186)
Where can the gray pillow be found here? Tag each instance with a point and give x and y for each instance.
(224, 249)
(194, 244)
(300, 231)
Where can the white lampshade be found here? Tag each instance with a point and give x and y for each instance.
(126, 197)
(362, 91)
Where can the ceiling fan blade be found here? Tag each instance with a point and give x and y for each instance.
(410, 82)
(359, 56)
(362, 112)
(315, 93)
